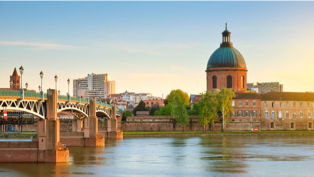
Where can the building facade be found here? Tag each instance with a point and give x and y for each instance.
(265, 87)
(154, 101)
(94, 85)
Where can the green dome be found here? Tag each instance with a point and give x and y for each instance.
(226, 57)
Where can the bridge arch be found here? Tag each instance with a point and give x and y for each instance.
(33, 107)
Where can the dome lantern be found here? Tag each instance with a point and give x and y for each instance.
(226, 42)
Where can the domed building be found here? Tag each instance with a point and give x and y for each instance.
(226, 67)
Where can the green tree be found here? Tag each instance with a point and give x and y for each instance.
(153, 109)
(183, 96)
(164, 111)
(196, 110)
(126, 114)
(140, 107)
(224, 105)
(179, 111)
(207, 110)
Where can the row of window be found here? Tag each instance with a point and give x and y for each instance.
(229, 82)
(310, 125)
(280, 114)
(244, 113)
(287, 104)
(246, 103)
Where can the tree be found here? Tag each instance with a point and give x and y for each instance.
(164, 111)
(139, 107)
(196, 110)
(179, 111)
(224, 105)
(153, 109)
(207, 110)
(183, 96)
(127, 114)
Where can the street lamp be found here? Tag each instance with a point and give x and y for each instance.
(68, 87)
(59, 92)
(26, 85)
(41, 74)
(56, 79)
(21, 72)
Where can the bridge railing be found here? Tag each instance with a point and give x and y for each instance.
(9, 92)
(31, 94)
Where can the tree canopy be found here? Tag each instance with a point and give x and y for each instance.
(164, 111)
(183, 96)
(140, 107)
(179, 111)
(224, 105)
(207, 109)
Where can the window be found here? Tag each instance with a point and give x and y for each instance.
(254, 103)
(240, 103)
(310, 124)
(309, 114)
(246, 102)
(281, 104)
(272, 104)
(266, 114)
(287, 114)
(279, 114)
(254, 114)
(292, 124)
(273, 114)
(301, 104)
(265, 105)
(272, 125)
(294, 104)
(232, 102)
(214, 82)
(294, 115)
(308, 104)
(247, 114)
(229, 82)
(287, 104)
(242, 81)
(301, 114)
(240, 113)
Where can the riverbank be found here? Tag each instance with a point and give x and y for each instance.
(193, 133)
(18, 135)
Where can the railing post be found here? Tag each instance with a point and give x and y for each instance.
(21, 94)
(69, 98)
(41, 95)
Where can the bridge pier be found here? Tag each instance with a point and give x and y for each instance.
(46, 147)
(89, 136)
(76, 125)
(112, 126)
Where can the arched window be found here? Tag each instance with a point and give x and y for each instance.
(242, 81)
(214, 82)
(229, 82)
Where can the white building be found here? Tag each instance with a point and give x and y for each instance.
(134, 98)
(94, 85)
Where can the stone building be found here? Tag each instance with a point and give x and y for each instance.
(287, 111)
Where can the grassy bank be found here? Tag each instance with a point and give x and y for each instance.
(18, 135)
(193, 133)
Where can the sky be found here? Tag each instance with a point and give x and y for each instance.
(155, 47)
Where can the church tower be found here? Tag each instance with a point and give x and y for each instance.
(15, 81)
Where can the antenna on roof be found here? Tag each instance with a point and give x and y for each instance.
(226, 26)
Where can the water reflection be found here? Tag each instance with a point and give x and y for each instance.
(195, 156)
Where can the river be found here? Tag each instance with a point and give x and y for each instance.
(221, 156)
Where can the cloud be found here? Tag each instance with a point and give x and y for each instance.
(40, 46)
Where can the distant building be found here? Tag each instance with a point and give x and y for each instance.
(94, 85)
(265, 87)
(154, 102)
(134, 98)
(15, 80)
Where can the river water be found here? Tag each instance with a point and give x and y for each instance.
(221, 156)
